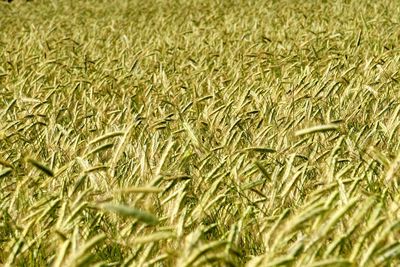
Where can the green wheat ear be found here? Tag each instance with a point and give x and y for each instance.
(5, 172)
(124, 210)
(40, 166)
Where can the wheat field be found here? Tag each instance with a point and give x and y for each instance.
(199, 133)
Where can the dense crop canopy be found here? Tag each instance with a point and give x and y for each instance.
(199, 133)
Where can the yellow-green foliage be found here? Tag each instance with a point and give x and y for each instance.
(199, 133)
